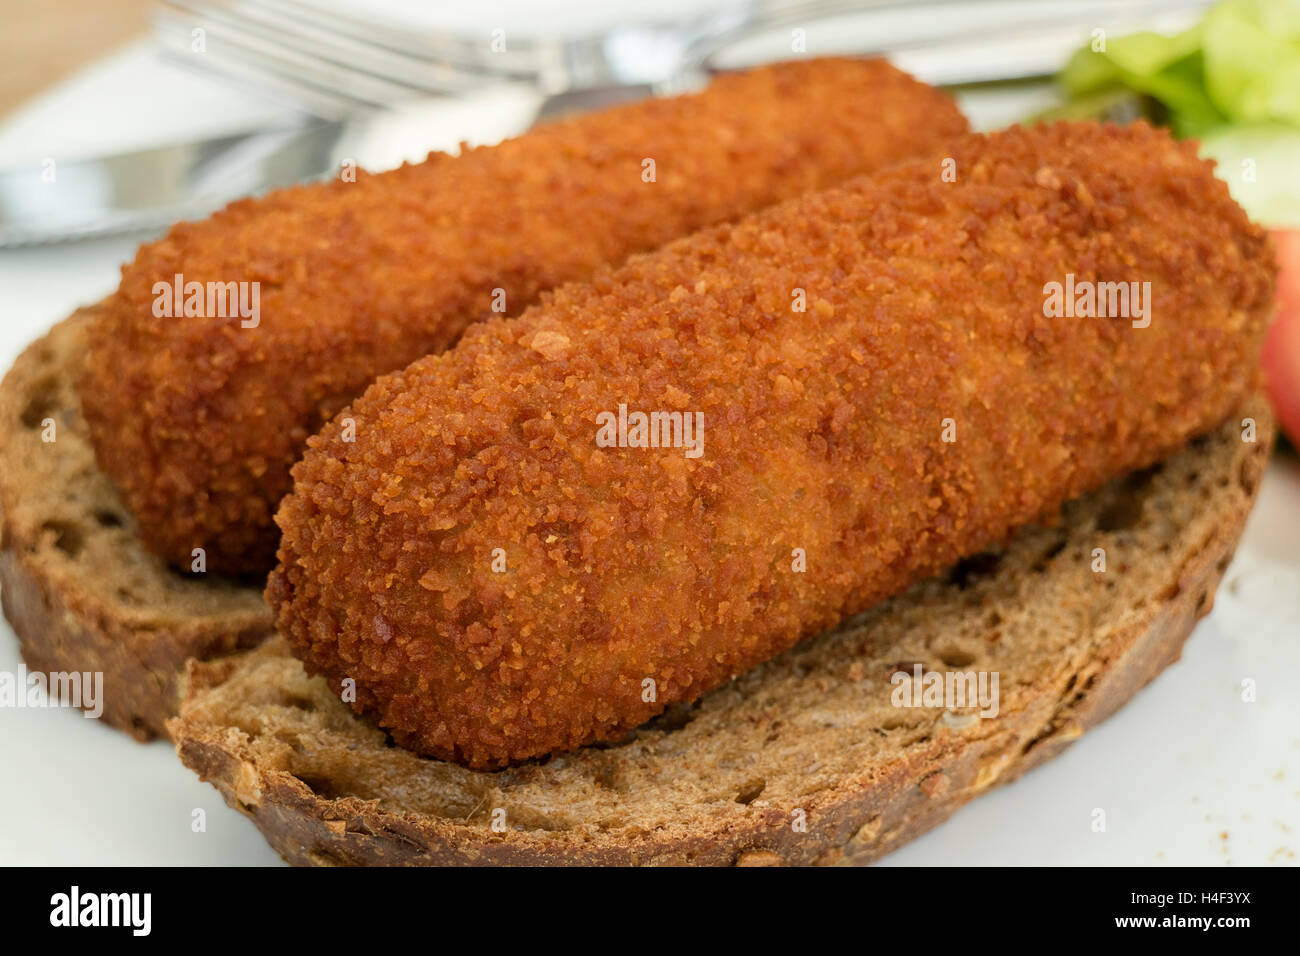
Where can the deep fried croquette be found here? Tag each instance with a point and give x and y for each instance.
(500, 584)
(199, 418)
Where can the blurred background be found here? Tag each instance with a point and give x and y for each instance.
(147, 112)
(152, 111)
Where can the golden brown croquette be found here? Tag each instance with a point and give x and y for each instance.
(199, 418)
(501, 583)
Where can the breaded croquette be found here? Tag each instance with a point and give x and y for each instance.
(508, 566)
(198, 417)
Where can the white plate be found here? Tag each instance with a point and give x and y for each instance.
(1187, 774)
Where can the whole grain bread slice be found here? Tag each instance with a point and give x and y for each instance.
(81, 592)
(802, 760)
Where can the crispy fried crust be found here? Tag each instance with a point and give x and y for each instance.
(812, 730)
(199, 419)
(825, 436)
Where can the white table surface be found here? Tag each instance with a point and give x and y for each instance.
(1187, 773)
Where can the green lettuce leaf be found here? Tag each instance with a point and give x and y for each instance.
(1241, 64)
(1252, 59)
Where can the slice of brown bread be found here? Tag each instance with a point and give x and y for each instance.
(80, 591)
(811, 736)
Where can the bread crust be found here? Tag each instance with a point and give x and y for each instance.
(855, 821)
(63, 627)
(75, 583)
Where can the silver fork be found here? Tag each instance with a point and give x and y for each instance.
(334, 65)
(367, 67)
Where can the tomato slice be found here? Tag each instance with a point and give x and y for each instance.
(1281, 356)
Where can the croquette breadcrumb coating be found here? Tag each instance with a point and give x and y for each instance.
(199, 419)
(500, 587)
